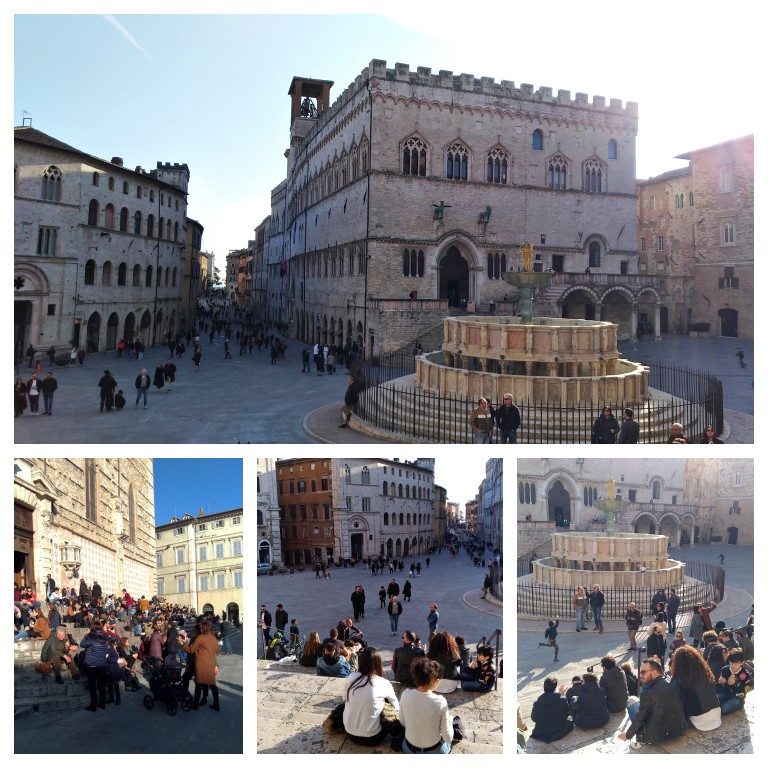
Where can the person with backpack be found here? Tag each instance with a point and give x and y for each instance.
(550, 635)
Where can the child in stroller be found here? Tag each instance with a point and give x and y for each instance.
(166, 685)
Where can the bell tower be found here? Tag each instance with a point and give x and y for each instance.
(309, 100)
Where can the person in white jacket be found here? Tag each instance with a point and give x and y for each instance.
(425, 714)
(370, 703)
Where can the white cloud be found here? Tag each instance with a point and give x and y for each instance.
(126, 34)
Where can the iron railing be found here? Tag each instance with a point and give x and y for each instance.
(692, 397)
(704, 582)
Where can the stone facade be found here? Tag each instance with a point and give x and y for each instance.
(414, 181)
(690, 501)
(727, 486)
(103, 507)
(92, 262)
(268, 513)
(490, 511)
(440, 517)
(191, 274)
(384, 507)
(200, 562)
(697, 235)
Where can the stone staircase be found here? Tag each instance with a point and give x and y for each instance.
(32, 693)
(404, 412)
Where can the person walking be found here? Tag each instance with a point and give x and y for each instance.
(433, 618)
(205, 647)
(197, 356)
(169, 372)
(358, 602)
(305, 361)
(407, 591)
(33, 393)
(740, 356)
(630, 429)
(106, 386)
(351, 397)
(19, 396)
(633, 619)
(382, 597)
(507, 418)
(394, 609)
(48, 386)
(142, 387)
(673, 605)
(80, 356)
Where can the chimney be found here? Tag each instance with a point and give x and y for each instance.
(117, 161)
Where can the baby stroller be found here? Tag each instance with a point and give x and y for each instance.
(166, 686)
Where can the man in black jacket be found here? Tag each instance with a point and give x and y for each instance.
(106, 386)
(265, 622)
(658, 715)
(507, 418)
(606, 428)
(630, 429)
(402, 658)
(350, 401)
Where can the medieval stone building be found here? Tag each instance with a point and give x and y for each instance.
(414, 191)
(85, 518)
(98, 247)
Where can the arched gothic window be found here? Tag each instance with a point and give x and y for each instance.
(365, 476)
(593, 176)
(537, 139)
(148, 279)
(109, 216)
(457, 162)
(123, 219)
(496, 167)
(656, 490)
(137, 276)
(95, 179)
(594, 254)
(613, 149)
(106, 273)
(52, 184)
(137, 223)
(414, 157)
(497, 265)
(413, 263)
(557, 172)
(89, 275)
(121, 272)
(151, 225)
(93, 213)
(386, 518)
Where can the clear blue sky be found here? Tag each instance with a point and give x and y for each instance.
(211, 90)
(183, 486)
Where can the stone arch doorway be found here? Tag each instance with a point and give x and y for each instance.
(669, 527)
(579, 305)
(453, 277)
(645, 524)
(112, 331)
(233, 614)
(729, 322)
(93, 329)
(406, 548)
(733, 534)
(398, 548)
(130, 323)
(390, 550)
(264, 552)
(559, 505)
(356, 546)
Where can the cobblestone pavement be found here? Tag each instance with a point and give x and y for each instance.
(318, 604)
(131, 728)
(577, 650)
(244, 400)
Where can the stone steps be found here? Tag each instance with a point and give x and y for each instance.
(449, 423)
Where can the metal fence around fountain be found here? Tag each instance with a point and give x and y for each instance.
(694, 398)
(547, 601)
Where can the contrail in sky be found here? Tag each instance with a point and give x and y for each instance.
(127, 35)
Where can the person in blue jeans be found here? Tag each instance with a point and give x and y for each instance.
(143, 382)
(597, 601)
(394, 609)
(481, 674)
(733, 683)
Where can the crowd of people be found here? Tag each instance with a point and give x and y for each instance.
(406, 703)
(680, 684)
(124, 635)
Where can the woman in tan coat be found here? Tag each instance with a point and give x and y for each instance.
(205, 647)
